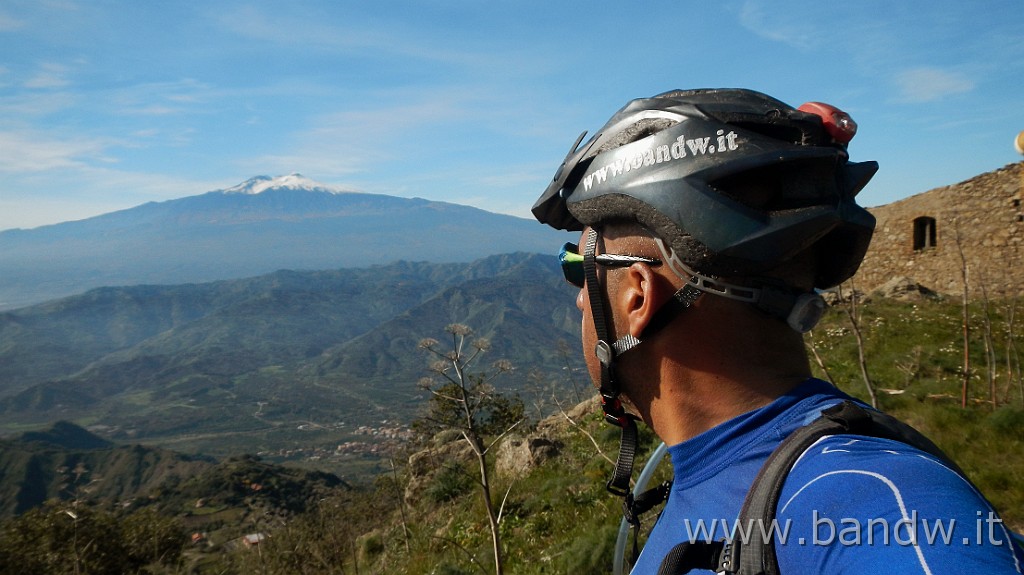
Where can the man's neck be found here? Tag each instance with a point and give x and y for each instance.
(699, 380)
(681, 412)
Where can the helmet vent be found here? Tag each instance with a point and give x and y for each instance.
(798, 132)
(637, 131)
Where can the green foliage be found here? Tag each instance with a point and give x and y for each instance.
(338, 531)
(246, 481)
(1008, 421)
(493, 412)
(450, 482)
(63, 539)
(590, 553)
(447, 569)
(502, 412)
(915, 351)
(371, 546)
(67, 462)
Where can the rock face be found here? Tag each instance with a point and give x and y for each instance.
(518, 455)
(447, 447)
(904, 288)
(514, 457)
(975, 226)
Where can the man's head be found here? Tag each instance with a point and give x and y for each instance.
(742, 196)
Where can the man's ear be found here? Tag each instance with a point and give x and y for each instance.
(641, 294)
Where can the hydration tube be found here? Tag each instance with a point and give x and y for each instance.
(619, 559)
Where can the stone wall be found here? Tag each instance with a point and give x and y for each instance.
(928, 237)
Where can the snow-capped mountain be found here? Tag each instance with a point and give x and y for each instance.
(260, 184)
(259, 226)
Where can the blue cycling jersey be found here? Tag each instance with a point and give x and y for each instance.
(851, 504)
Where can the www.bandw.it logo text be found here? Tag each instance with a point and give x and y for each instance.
(681, 148)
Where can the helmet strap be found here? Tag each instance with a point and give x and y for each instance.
(614, 413)
(606, 352)
(799, 309)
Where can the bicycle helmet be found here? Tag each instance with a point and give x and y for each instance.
(734, 181)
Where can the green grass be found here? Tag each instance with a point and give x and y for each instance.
(916, 348)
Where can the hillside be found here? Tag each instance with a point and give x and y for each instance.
(135, 500)
(426, 516)
(286, 360)
(67, 462)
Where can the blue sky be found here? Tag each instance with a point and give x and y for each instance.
(105, 105)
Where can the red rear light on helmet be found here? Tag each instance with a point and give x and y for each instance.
(837, 123)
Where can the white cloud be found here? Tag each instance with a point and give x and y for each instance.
(784, 26)
(31, 152)
(253, 23)
(74, 192)
(9, 23)
(160, 98)
(50, 75)
(153, 110)
(140, 187)
(397, 128)
(930, 84)
(322, 30)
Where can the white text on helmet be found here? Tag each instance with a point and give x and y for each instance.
(663, 153)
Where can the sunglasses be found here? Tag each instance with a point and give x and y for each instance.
(572, 263)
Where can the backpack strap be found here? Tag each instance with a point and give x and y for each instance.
(693, 555)
(756, 556)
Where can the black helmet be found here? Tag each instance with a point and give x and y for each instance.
(734, 181)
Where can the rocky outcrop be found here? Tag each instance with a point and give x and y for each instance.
(517, 455)
(904, 288)
(447, 447)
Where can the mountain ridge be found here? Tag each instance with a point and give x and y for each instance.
(261, 356)
(229, 235)
(66, 461)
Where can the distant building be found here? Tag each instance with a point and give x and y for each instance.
(253, 539)
(931, 237)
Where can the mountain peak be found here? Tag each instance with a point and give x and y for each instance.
(67, 435)
(260, 184)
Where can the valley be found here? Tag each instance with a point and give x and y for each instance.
(291, 364)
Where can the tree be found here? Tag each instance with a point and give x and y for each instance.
(965, 311)
(853, 313)
(61, 538)
(468, 403)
